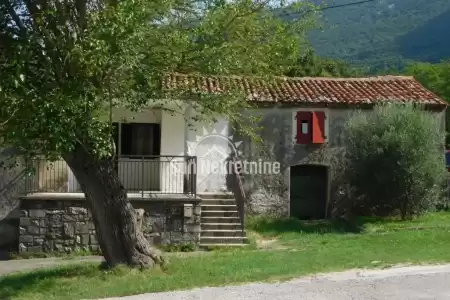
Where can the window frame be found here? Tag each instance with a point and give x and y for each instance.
(326, 112)
(118, 136)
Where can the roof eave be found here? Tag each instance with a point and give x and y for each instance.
(339, 105)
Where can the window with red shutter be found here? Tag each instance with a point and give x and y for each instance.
(304, 127)
(310, 127)
(318, 127)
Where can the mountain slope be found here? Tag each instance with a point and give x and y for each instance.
(385, 33)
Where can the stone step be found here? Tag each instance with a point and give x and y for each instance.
(220, 226)
(222, 233)
(216, 195)
(209, 245)
(223, 240)
(216, 207)
(220, 213)
(234, 220)
(218, 201)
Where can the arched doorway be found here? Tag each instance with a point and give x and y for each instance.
(309, 191)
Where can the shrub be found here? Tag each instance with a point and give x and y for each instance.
(394, 160)
(183, 247)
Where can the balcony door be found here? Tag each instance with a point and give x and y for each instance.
(138, 147)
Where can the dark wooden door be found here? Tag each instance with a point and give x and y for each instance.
(309, 192)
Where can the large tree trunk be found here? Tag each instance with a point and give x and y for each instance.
(118, 232)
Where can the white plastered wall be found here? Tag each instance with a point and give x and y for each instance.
(173, 143)
(211, 144)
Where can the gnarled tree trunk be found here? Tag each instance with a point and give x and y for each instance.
(118, 232)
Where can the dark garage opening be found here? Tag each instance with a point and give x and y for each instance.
(309, 190)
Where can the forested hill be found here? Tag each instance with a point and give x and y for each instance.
(385, 33)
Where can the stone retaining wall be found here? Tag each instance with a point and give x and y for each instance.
(66, 225)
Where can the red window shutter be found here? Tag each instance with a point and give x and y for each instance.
(318, 127)
(304, 117)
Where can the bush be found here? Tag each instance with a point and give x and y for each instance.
(184, 247)
(394, 161)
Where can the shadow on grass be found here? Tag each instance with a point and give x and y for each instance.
(43, 279)
(265, 225)
(286, 225)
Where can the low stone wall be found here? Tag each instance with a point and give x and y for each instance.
(66, 225)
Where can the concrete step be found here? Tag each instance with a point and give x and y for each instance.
(218, 201)
(216, 207)
(220, 213)
(222, 233)
(216, 195)
(209, 245)
(234, 220)
(223, 240)
(221, 226)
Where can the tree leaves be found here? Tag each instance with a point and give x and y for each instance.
(63, 64)
(436, 78)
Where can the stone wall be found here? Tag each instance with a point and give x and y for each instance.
(66, 225)
(269, 194)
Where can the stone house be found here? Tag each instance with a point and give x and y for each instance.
(194, 183)
(302, 121)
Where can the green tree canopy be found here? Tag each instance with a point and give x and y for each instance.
(436, 78)
(64, 63)
(310, 64)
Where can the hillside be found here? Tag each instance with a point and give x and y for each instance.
(385, 33)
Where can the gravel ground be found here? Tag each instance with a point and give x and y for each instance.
(428, 282)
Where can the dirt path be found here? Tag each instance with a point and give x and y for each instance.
(11, 266)
(19, 265)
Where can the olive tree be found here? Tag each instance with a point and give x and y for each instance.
(395, 160)
(65, 63)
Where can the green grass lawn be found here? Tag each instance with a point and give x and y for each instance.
(301, 248)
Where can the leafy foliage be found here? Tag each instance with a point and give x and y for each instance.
(394, 161)
(312, 65)
(64, 64)
(435, 77)
(184, 247)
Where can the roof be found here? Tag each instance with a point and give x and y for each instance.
(309, 90)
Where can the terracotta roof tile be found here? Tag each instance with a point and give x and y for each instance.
(310, 90)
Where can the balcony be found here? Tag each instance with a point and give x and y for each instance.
(142, 176)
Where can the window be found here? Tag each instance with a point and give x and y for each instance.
(305, 127)
(303, 119)
(138, 139)
(310, 127)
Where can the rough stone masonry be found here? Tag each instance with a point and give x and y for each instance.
(66, 225)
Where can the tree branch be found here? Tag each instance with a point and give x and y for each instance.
(23, 29)
(81, 11)
(10, 117)
(252, 11)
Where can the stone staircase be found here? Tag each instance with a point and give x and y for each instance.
(220, 222)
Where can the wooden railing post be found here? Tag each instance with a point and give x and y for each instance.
(239, 193)
(194, 176)
(142, 179)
